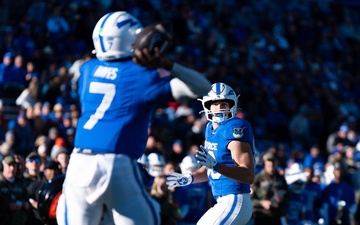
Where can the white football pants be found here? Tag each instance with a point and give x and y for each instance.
(229, 209)
(105, 189)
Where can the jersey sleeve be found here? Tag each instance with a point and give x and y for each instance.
(158, 89)
(239, 129)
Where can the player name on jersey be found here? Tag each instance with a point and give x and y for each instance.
(106, 72)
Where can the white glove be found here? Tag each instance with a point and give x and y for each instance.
(205, 159)
(178, 180)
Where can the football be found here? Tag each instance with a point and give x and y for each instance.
(158, 34)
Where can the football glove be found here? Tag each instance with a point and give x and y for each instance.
(178, 180)
(205, 159)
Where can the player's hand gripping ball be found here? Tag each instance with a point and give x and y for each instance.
(158, 35)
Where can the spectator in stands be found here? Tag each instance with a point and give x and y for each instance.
(338, 199)
(26, 42)
(42, 149)
(312, 197)
(270, 194)
(11, 140)
(40, 121)
(51, 170)
(5, 150)
(299, 127)
(18, 73)
(62, 157)
(336, 156)
(169, 210)
(14, 206)
(177, 152)
(170, 167)
(296, 178)
(338, 139)
(57, 27)
(24, 134)
(74, 72)
(195, 136)
(314, 157)
(32, 75)
(5, 70)
(32, 171)
(56, 114)
(65, 124)
(352, 168)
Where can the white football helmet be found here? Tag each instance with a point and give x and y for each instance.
(220, 92)
(144, 161)
(114, 35)
(156, 164)
(189, 165)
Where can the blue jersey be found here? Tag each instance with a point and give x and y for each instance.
(117, 99)
(216, 142)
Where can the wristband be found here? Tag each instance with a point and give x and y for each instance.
(192, 178)
(216, 167)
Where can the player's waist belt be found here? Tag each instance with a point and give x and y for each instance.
(84, 151)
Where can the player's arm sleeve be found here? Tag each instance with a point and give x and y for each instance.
(188, 83)
(240, 131)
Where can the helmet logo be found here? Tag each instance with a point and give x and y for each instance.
(218, 88)
(238, 133)
(123, 23)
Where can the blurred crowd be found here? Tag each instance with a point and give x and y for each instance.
(295, 63)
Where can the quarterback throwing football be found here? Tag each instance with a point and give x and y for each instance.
(117, 95)
(227, 160)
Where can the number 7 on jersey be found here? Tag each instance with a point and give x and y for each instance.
(108, 90)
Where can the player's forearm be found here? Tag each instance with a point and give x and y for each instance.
(200, 175)
(196, 81)
(240, 174)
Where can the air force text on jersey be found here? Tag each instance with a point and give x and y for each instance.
(211, 146)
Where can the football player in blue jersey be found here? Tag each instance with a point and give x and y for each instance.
(117, 97)
(227, 159)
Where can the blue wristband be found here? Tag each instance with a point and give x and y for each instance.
(216, 167)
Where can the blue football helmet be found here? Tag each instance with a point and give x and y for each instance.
(114, 35)
(220, 92)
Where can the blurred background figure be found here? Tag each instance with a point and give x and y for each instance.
(14, 207)
(270, 194)
(338, 199)
(296, 178)
(51, 170)
(311, 195)
(169, 209)
(156, 164)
